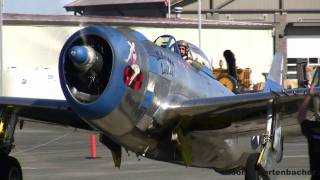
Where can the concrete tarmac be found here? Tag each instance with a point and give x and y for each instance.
(49, 152)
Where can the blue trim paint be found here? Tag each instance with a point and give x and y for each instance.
(154, 65)
(148, 97)
(79, 55)
(207, 72)
(272, 85)
(274, 78)
(139, 36)
(116, 89)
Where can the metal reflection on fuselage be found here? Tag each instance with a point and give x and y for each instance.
(144, 81)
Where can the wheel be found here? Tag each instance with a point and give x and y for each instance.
(251, 172)
(10, 168)
(229, 82)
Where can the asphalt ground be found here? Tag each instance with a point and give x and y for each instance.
(49, 152)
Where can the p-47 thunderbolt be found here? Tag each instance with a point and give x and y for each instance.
(144, 97)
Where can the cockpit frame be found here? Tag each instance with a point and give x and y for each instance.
(167, 42)
(195, 53)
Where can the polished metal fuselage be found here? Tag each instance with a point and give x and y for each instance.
(139, 120)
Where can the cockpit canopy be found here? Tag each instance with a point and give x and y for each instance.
(169, 42)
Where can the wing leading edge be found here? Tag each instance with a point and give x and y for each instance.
(221, 112)
(45, 110)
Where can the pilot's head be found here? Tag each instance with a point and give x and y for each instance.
(183, 48)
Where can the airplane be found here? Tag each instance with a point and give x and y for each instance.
(143, 97)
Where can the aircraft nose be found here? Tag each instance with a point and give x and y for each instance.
(79, 55)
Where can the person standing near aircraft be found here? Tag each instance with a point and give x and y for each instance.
(311, 130)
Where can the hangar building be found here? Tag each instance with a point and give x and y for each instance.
(297, 32)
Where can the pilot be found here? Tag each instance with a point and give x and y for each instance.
(311, 130)
(184, 51)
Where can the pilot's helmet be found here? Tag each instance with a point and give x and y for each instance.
(182, 43)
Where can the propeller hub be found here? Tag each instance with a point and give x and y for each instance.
(79, 55)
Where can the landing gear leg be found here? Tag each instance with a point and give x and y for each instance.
(10, 168)
(271, 147)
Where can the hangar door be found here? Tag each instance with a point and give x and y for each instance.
(303, 44)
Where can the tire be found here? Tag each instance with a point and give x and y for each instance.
(10, 168)
(229, 82)
(251, 172)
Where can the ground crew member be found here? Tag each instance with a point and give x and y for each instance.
(311, 130)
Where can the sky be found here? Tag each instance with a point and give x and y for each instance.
(48, 7)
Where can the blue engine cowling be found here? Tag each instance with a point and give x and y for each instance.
(103, 74)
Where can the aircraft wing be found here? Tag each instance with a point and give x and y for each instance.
(45, 110)
(221, 112)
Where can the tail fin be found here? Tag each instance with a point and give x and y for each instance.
(274, 79)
